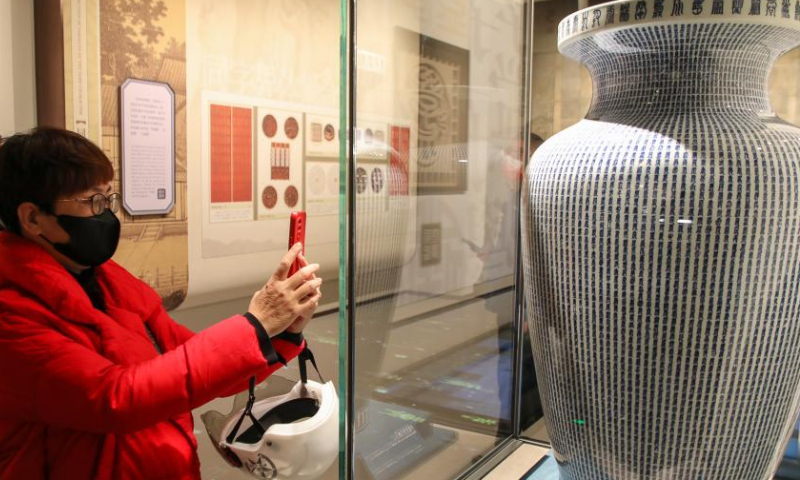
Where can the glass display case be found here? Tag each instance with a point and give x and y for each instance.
(436, 101)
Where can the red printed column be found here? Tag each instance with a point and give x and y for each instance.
(398, 162)
(220, 138)
(242, 154)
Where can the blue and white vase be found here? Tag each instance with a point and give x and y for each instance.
(662, 246)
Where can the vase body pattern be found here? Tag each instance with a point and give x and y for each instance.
(662, 247)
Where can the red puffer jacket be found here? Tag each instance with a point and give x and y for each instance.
(85, 395)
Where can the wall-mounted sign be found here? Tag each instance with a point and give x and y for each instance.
(431, 244)
(148, 147)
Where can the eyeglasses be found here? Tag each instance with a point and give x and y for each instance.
(99, 202)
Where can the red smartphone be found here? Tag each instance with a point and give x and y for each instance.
(297, 233)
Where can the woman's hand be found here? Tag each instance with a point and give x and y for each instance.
(300, 322)
(282, 300)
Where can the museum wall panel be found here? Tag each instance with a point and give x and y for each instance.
(17, 84)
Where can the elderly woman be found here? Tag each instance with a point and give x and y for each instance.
(96, 380)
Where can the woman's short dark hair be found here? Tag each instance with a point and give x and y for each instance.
(45, 165)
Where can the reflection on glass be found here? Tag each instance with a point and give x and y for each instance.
(437, 143)
(790, 466)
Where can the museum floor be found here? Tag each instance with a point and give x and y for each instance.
(457, 342)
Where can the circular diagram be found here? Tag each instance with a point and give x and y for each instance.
(316, 180)
(330, 132)
(333, 180)
(269, 125)
(292, 128)
(361, 180)
(377, 180)
(290, 196)
(269, 197)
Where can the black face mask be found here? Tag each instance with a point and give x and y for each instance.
(92, 240)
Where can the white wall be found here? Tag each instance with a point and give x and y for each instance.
(17, 80)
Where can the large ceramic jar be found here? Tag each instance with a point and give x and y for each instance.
(662, 246)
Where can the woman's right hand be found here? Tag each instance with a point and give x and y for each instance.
(283, 299)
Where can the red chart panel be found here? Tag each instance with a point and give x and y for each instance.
(231, 154)
(220, 138)
(242, 155)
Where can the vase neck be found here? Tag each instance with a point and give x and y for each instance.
(677, 68)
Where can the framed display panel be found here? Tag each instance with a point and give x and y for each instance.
(443, 113)
(322, 136)
(230, 161)
(279, 162)
(322, 188)
(371, 180)
(372, 140)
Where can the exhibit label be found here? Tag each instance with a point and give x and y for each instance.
(148, 147)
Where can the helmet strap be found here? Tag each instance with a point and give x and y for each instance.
(306, 356)
(248, 412)
(303, 357)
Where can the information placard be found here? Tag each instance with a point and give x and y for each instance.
(148, 147)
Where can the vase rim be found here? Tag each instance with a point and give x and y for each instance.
(622, 14)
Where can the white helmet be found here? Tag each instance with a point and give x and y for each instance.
(285, 437)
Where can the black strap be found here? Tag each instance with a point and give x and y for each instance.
(305, 356)
(248, 412)
(288, 412)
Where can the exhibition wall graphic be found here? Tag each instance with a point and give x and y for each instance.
(443, 116)
(263, 159)
(236, 165)
(106, 44)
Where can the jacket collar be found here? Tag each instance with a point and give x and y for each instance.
(28, 267)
